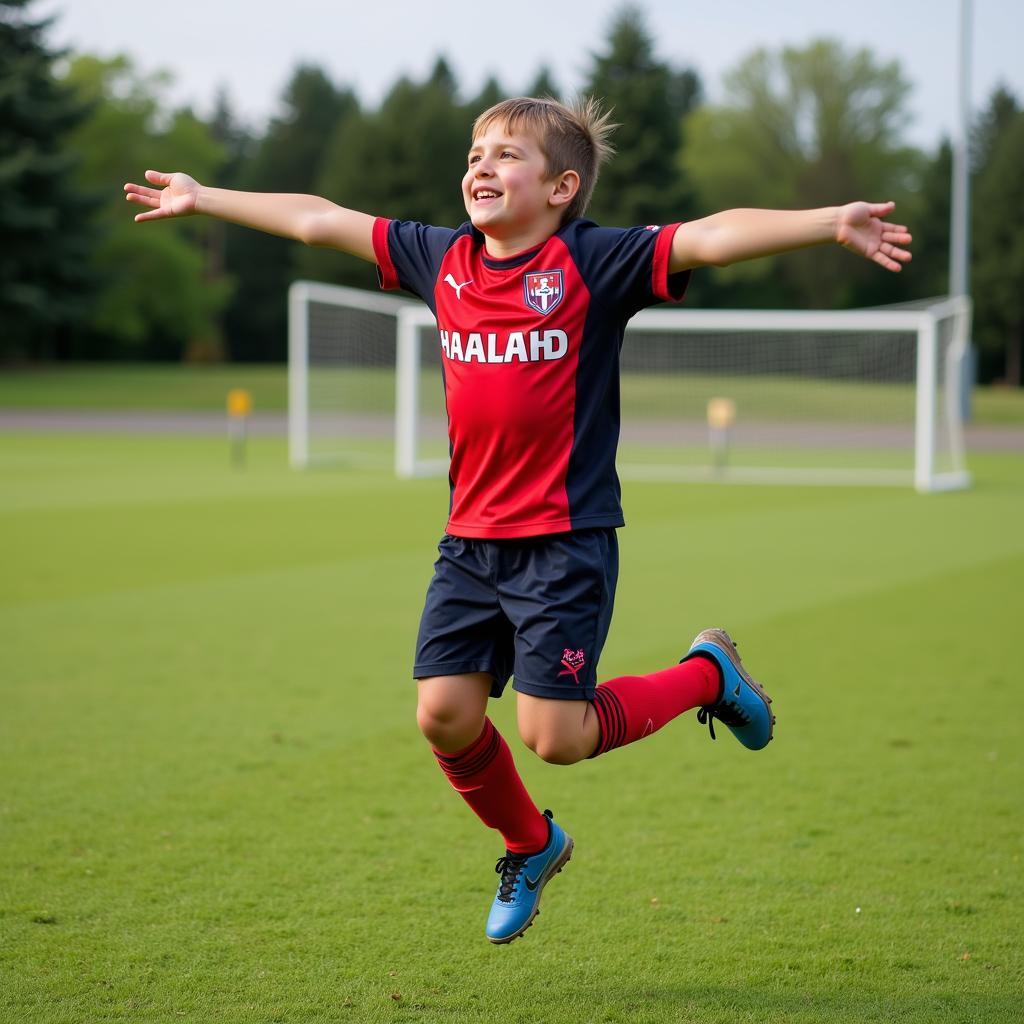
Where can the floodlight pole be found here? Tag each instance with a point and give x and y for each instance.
(960, 208)
(959, 234)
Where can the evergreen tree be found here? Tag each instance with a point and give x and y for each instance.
(288, 159)
(544, 85)
(489, 95)
(45, 215)
(649, 99)
(928, 216)
(998, 264)
(990, 125)
(404, 160)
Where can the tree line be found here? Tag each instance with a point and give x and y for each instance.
(796, 127)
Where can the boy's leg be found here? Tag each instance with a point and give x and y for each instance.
(622, 711)
(452, 708)
(711, 677)
(631, 707)
(476, 759)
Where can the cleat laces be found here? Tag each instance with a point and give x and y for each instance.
(509, 867)
(728, 712)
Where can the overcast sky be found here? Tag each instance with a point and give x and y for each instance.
(251, 48)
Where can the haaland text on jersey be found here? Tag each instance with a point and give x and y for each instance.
(491, 347)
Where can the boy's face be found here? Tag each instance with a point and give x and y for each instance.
(506, 187)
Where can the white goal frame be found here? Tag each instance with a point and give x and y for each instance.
(413, 320)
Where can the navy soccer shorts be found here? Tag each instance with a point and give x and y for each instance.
(536, 608)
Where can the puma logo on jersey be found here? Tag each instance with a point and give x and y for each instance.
(515, 347)
(458, 287)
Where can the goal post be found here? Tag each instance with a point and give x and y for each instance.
(341, 372)
(868, 396)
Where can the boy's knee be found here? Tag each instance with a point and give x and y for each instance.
(556, 749)
(448, 727)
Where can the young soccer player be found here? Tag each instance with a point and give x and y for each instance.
(531, 304)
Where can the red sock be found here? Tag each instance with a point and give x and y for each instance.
(485, 774)
(631, 707)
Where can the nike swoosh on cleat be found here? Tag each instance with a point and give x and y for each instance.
(530, 883)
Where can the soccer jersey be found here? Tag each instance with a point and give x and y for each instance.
(530, 364)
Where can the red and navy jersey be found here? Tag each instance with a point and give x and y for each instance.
(530, 363)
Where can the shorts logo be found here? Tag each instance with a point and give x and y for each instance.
(544, 290)
(573, 662)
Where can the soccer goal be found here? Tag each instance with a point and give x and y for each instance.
(867, 396)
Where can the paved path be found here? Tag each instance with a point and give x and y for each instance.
(767, 435)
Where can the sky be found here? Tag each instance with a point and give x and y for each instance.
(251, 48)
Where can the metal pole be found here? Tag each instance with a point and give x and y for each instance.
(960, 207)
(959, 234)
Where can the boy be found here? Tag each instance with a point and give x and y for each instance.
(531, 303)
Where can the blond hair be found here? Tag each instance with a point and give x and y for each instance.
(572, 137)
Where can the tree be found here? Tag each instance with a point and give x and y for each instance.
(649, 100)
(929, 217)
(990, 125)
(487, 97)
(424, 132)
(404, 160)
(998, 266)
(543, 85)
(155, 298)
(45, 215)
(288, 159)
(803, 128)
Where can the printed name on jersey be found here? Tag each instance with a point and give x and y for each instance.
(544, 290)
(517, 346)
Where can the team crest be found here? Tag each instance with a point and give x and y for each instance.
(544, 290)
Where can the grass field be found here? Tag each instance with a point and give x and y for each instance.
(216, 806)
(204, 388)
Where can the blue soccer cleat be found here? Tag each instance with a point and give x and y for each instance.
(523, 877)
(742, 705)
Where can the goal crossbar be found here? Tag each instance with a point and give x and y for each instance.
(939, 332)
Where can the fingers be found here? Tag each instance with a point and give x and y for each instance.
(896, 233)
(141, 194)
(163, 178)
(141, 190)
(892, 258)
(876, 209)
(152, 215)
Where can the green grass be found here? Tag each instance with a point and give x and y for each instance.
(216, 806)
(191, 388)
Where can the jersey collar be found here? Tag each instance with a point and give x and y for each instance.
(511, 262)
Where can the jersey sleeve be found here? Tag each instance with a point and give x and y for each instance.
(409, 255)
(626, 269)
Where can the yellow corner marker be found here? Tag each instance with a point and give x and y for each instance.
(239, 408)
(721, 417)
(239, 403)
(721, 413)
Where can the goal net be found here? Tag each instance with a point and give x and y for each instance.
(861, 396)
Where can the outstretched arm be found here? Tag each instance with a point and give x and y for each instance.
(308, 219)
(736, 235)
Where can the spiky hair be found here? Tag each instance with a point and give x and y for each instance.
(572, 137)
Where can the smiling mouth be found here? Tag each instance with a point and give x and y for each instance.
(485, 193)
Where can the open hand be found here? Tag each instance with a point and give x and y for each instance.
(177, 198)
(860, 229)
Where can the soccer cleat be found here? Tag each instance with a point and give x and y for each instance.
(742, 705)
(523, 877)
